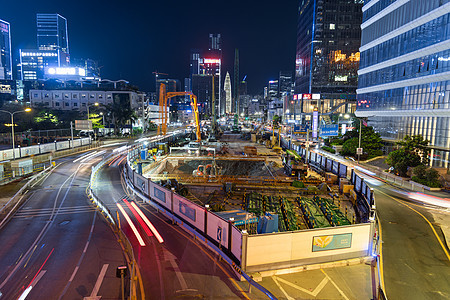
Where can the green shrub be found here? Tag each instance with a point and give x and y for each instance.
(329, 149)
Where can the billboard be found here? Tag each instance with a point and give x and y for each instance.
(332, 242)
(329, 130)
(315, 124)
(83, 125)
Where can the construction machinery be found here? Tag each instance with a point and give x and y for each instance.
(293, 165)
(164, 96)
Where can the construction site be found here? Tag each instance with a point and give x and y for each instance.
(260, 188)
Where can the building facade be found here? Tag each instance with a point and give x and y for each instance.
(404, 76)
(52, 33)
(228, 98)
(5, 51)
(327, 59)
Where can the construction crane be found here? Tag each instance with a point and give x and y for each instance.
(163, 105)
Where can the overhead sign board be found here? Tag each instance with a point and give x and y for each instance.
(329, 130)
(83, 125)
(301, 129)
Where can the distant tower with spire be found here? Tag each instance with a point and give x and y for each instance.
(227, 88)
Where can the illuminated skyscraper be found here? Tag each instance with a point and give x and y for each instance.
(5, 51)
(327, 59)
(52, 33)
(228, 98)
(404, 79)
(53, 48)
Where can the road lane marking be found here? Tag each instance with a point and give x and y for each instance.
(171, 258)
(188, 237)
(99, 280)
(73, 274)
(36, 280)
(282, 290)
(429, 223)
(80, 260)
(335, 285)
(34, 249)
(314, 293)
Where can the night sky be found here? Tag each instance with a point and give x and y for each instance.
(131, 39)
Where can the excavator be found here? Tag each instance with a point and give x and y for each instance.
(164, 96)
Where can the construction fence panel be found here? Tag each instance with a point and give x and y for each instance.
(27, 151)
(319, 159)
(45, 148)
(236, 243)
(313, 156)
(160, 195)
(335, 167)
(190, 212)
(329, 165)
(324, 162)
(264, 251)
(343, 171)
(62, 145)
(77, 143)
(217, 229)
(141, 183)
(358, 183)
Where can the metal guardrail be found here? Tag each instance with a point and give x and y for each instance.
(106, 213)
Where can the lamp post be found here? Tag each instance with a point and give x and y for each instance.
(12, 125)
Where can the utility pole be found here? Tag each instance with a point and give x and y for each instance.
(359, 143)
(71, 131)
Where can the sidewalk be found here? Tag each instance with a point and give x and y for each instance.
(349, 279)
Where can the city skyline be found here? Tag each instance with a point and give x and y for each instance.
(261, 35)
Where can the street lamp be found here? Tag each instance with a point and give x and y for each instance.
(12, 125)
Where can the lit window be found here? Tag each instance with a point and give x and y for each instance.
(332, 26)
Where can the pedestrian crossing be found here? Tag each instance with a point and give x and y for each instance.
(29, 212)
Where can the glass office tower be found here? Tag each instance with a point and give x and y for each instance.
(404, 76)
(5, 51)
(52, 32)
(327, 59)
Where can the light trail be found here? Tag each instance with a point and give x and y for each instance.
(138, 217)
(136, 233)
(84, 156)
(149, 224)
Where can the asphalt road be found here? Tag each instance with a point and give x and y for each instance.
(177, 268)
(57, 246)
(415, 258)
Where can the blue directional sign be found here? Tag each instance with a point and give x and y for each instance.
(301, 129)
(329, 130)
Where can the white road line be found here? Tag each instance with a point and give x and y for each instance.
(171, 258)
(335, 285)
(85, 247)
(99, 280)
(35, 281)
(73, 274)
(284, 292)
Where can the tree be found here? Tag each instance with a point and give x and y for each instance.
(414, 152)
(426, 176)
(276, 121)
(120, 112)
(371, 143)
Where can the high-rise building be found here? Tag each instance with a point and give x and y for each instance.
(404, 78)
(5, 51)
(215, 45)
(273, 89)
(285, 82)
(53, 48)
(228, 98)
(194, 58)
(327, 59)
(52, 33)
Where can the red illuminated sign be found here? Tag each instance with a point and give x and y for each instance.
(211, 61)
(307, 96)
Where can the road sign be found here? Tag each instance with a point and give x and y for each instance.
(219, 234)
(83, 125)
(329, 130)
(301, 129)
(359, 151)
